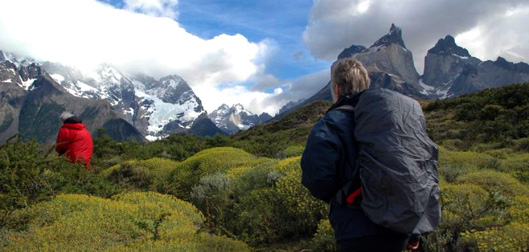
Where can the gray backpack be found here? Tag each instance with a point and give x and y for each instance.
(397, 164)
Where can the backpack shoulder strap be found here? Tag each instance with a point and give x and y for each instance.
(351, 190)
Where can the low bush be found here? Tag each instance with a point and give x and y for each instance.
(213, 195)
(211, 161)
(495, 182)
(323, 240)
(129, 222)
(283, 211)
(147, 175)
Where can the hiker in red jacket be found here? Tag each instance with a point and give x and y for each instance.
(74, 140)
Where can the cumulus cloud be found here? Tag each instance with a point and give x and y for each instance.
(336, 24)
(164, 8)
(86, 33)
(264, 82)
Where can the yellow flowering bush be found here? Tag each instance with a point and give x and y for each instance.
(512, 237)
(286, 209)
(127, 222)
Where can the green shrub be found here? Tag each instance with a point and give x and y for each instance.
(495, 182)
(28, 176)
(213, 195)
(207, 162)
(129, 222)
(518, 166)
(293, 151)
(523, 144)
(453, 164)
(259, 176)
(148, 174)
(323, 240)
(284, 211)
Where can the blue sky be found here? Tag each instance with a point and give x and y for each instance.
(283, 22)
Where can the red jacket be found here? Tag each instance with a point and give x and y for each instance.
(75, 140)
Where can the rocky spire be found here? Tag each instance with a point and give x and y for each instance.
(393, 37)
(2, 57)
(448, 46)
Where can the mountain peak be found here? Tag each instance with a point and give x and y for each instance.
(2, 57)
(393, 37)
(350, 51)
(238, 106)
(448, 46)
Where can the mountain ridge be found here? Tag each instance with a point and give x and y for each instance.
(449, 70)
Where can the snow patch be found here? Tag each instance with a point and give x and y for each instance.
(459, 56)
(57, 78)
(426, 89)
(27, 84)
(7, 81)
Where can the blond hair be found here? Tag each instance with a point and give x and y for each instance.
(350, 77)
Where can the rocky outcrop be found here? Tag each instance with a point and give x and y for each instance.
(235, 118)
(445, 61)
(453, 71)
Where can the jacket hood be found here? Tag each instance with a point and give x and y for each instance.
(348, 99)
(73, 119)
(74, 126)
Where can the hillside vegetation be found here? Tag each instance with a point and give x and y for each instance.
(243, 193)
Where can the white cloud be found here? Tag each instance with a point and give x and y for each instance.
(259, 101)
(499, 27)
(254, 101)
(159, 8)
(85, 33)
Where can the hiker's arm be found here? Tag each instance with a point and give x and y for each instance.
(62, 143)
(320, 160)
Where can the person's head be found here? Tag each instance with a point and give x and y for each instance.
(348, 76)
(65, 115)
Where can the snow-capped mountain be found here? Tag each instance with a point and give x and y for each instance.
(156, 107)
(235, 118)
(31, 102)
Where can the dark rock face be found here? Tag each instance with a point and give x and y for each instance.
(393, 37)
(122, 131)
(203, 126)
(289, 106)
(448, 46)
(453, 71)
(445, 61)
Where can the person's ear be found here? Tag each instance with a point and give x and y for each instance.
(336, 90)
